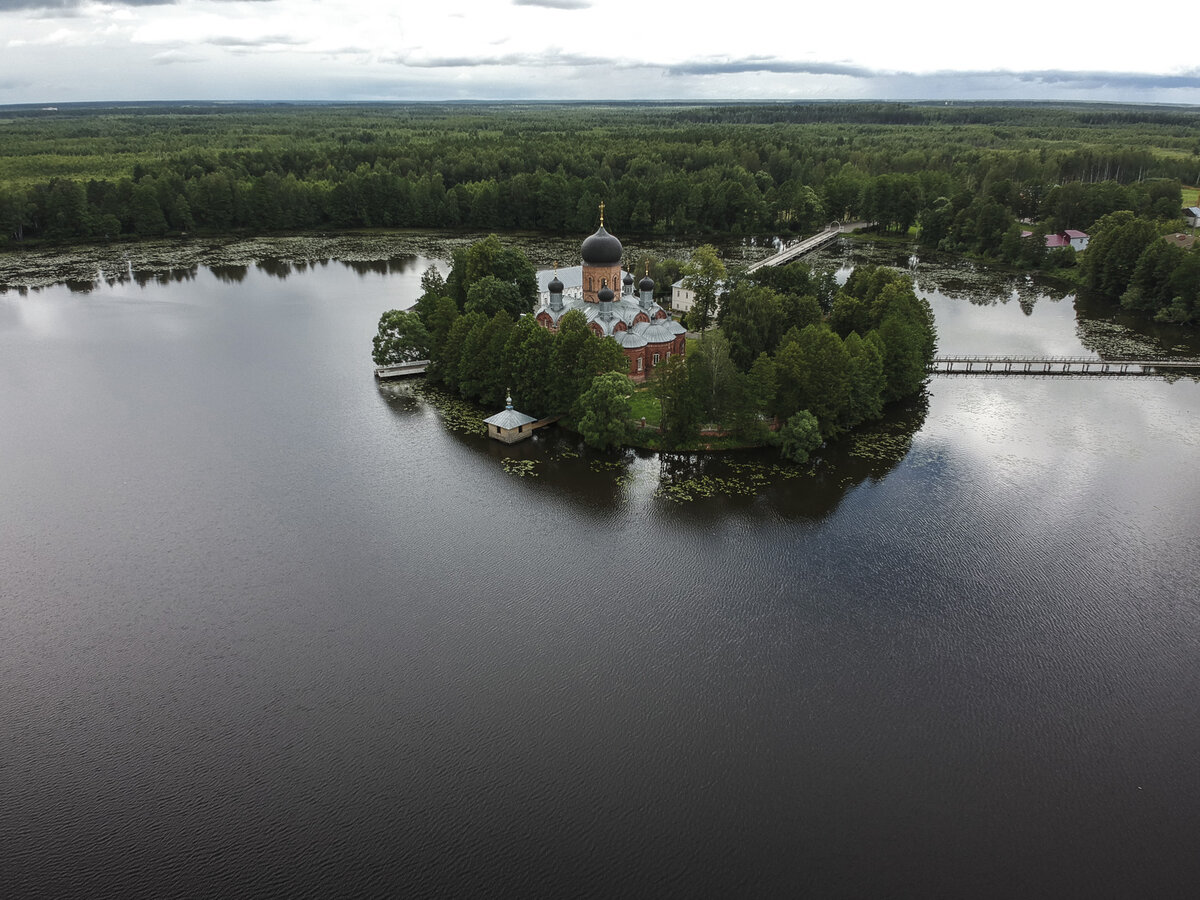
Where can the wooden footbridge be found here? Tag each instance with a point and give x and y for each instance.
(1059, 365)
(798, 248)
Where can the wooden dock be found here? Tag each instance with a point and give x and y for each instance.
(1058, 365)
(403, 370)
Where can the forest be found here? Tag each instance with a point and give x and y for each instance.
(963, 178)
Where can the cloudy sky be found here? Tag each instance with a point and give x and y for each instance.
(66, 50)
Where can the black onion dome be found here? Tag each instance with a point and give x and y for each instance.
(605, 295)
(555, 286)
(646, 284)
(628, 279)
(602, 249)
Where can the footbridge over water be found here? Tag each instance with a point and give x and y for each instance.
(1060, 365)
(798, 248)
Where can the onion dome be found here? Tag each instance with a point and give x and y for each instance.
(646, 284)
(555, 286)
(628, 279)
(605, 295)
(602, 249)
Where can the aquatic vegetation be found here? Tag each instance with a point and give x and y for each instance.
(519, 467)
(457, 414)
(746, 480)
(882, 446)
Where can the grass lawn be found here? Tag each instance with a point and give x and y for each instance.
(644, 404)
(1191, 197)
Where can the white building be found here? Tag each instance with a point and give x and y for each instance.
(682, 299)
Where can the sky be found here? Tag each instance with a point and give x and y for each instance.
(79, 50)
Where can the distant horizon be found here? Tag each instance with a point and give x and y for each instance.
(38, 105)
(515, 51)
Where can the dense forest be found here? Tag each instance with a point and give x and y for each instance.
(966, 175)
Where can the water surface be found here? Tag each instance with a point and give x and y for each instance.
(270, 629)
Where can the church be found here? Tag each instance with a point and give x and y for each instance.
(645, 331)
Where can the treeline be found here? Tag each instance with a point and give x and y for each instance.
(790, 351)
(990, 222)
(1131, 259)
(94, 174)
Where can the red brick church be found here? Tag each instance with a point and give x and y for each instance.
(645, 331)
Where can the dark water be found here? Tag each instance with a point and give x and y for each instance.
(267, 629)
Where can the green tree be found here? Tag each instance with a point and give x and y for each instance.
(579, 356)
(755, 398)
(712, 377)
(402, 337)
(447, 367)
(489, 257)
(529, 364)
(604, 411)
(867, 381)
(813, 373)
(681, 411)
(481, 374)
(489, 295)
(705, 277)
(799, 436)
(751, 318)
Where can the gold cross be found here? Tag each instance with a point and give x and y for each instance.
(601, 213)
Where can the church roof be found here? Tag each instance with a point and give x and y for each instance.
(509, 418)
(602, 248)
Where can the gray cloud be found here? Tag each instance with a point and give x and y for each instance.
(266, 39)
(555, 4)
(68, 7)
(508, 59)
(1075, 80)
(1093, 80)
(768, 64)
(877, 82)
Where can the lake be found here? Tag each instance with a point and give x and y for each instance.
(272, 629)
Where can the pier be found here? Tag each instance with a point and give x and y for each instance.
(403, 370)
(1058, 365)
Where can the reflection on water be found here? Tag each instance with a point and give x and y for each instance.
(272, 629)
(555, 461)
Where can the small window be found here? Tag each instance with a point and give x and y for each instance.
(656, 359)
(639, 362)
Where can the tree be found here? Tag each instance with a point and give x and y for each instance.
(481, 373)
(491, 258)
(751, 317)
(755, 397)
(489, 295)
(799, 436)
(681, 412)
(867, 382)
(402, 337)
(447, 365)
(528, 364)
(712, 377)
(813, 373)
(579, 356)
(706, 274)
(1117, 242)
(604, 411)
